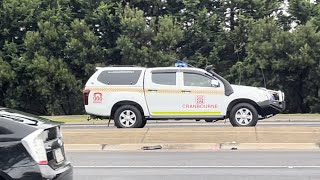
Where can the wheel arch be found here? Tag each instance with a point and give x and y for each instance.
(126, 102)
(242, 100)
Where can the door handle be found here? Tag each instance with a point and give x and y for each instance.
(186, 91)
(152, 90)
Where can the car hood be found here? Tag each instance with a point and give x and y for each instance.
(244, 88)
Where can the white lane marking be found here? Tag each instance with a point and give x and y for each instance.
(183, 167)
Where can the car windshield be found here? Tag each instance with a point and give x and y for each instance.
(23, 117)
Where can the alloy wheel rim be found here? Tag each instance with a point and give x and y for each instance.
(127, 118)
(244, 116)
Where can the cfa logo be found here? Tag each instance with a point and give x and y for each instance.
(97, 97)
(200, 100)
(200, 103)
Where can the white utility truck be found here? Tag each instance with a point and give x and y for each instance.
(132, 95)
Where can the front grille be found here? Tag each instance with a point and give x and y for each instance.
(276, 96)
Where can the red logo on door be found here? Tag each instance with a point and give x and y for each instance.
(200, 99)
(97, 97)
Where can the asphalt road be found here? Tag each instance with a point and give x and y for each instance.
(309, 120)
(192, 123)
(224, 165)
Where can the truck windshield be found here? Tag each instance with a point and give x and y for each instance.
(228, 89)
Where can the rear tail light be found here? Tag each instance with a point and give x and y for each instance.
(86, 93)
(35, 146)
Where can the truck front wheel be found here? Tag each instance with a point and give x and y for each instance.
(243, 114)
(128, 116)
(144, 122)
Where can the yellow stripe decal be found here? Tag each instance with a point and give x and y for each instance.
(187, 113)
(117, 89)
(159, 91)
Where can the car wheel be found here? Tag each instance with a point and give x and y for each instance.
(209, 120)
(243, 114)
(128, 116)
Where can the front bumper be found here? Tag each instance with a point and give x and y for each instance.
(66, 175)
(63, 173)
(271, 107)
(42, 172)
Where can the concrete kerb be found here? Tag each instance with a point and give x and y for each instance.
(193, 146)
(83, 147)
(170, 146)
(259, 138)
(269, 146)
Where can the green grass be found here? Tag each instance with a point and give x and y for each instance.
(73, 119)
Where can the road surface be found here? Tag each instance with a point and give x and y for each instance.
(168, 165)
(183, 124)
(312, 120)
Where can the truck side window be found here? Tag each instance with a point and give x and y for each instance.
(193, 79)
(164, 78)
(119, 77)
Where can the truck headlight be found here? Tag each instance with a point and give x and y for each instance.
(270, 96)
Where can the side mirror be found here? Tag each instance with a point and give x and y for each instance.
(215, 83)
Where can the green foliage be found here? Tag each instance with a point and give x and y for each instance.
(49, 48)
(148, 42)
(289, 61)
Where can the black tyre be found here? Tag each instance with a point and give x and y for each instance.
(144, 122)
(243, 114)
(128, 116)
(209, 120)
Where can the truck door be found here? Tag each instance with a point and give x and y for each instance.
(161, 92)
(199, 98)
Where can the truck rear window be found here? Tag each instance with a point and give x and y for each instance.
(119, 77)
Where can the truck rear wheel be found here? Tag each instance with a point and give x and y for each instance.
(128, 116)
(243, 114)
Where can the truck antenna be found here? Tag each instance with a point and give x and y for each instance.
(240, 74)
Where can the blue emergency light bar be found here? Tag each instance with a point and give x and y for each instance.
(181, 64)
